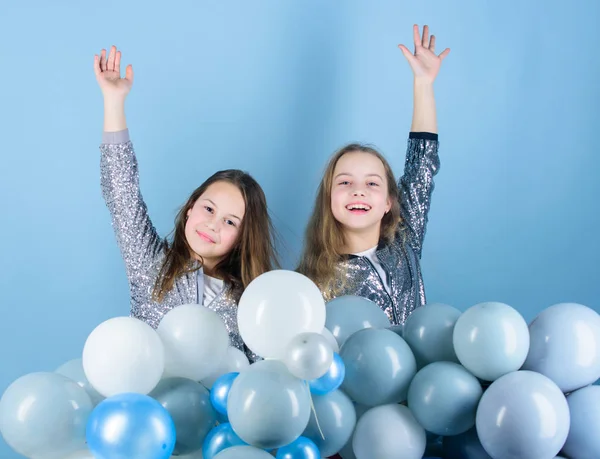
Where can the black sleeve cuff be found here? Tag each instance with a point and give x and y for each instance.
(423, 136)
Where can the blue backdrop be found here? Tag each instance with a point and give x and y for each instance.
(275, 87)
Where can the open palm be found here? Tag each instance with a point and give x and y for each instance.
(108, 74)
(424, 63)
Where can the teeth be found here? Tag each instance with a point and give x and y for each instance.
(358, 207)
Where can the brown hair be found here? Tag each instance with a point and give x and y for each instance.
(324, 239)
(252, 254)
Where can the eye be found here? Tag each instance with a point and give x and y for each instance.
(344, 182)
(230, 222)
(373, 184)
(209, 209)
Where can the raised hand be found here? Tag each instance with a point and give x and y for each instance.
(108, 74)
(424, 63)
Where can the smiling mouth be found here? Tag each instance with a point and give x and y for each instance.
(358, 208)
(205, 237)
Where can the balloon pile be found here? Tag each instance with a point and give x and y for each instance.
(335, 379)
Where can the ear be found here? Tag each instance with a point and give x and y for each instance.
(388, 205)
(187, 214)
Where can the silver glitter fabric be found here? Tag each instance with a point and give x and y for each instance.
(401, 259)
(142, 249)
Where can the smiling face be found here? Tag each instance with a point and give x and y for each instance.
(214, 221)
(359, 193)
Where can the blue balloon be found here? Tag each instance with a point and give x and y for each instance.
(301, 448)
(219, 438)
(583, 440)
(130, 426)
(464, 446)
(220, 391)
(331, 380)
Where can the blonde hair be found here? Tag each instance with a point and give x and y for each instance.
(252, 254)
(324, 239)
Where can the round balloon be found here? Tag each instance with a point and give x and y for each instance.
(121, 355)
(44, 414)
(301, 448)
(73, 369)
(428, 331)
(195, 341)
(349, 313)
(219, 439)
(234, 362)
(583, 441)
(331, 380)
(379, 367)
(275, 307)
(267, 406)
(565, 345)
(464, 446)
(188, 403)
(523, 414)
(331, 339)
(130, 425)
(308, 356)
(443, 397)
(243, 452)
(490, 340)
(373, 436)
(220, 392)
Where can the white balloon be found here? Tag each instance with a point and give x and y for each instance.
(195, 341)
(83, 454)
(275, 307)
(331, 339)
(123, 354)
(234, 361)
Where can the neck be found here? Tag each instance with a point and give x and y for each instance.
(359, 241)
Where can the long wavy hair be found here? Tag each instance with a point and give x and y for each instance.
(253, 252)
(324, 239)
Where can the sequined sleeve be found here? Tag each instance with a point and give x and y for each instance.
(416, 185)
(137, 238)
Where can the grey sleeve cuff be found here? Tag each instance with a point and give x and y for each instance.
(115, 137)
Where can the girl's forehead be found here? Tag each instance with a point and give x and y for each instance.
(358, 162)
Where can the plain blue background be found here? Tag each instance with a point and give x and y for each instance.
(275, 87)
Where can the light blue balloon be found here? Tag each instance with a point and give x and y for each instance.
(130, 426)
(348, 314)
(565, 345)
(583, 441)
(428, 331)
(523, 415)
(336, 417)
(188, 403)
(267, 406)
(443, 396)
(331, 380)
(491, 340)
(220, 391)
(243, 452)
(73, 369)
(43, 414)
(379, 367)
(301, 448)
(464, 446)
(220, 438)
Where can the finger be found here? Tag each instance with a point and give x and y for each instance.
(103, 60)
(407, 54)
(111, 58)
(425, 40)
(416, 36)
(444, 53)
(432, 44)
(129, 73)
(97, 70)
(118, 63)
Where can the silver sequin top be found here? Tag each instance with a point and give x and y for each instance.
(143, 250)
(401, 259)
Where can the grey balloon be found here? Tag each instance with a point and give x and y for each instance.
(347, 452)
(379, 367)
(73, 369)
(583, 441)
(389, 431)
(308, 356)
(428, 331)
(565, 345)
(267, 406)
(44, 414)
(243, 452)
(348, 314)
(464, 446)
(443, 396)
(188, 403)
(336, 417)
(523, 415)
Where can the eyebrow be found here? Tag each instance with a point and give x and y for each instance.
(368, 175)
(214, 205)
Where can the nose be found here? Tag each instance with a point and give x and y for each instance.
(358, 192)
(213, 225)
